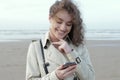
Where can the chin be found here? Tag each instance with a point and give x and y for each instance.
(60, 37)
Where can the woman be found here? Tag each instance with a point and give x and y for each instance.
(63, 43)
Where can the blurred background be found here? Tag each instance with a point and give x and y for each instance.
(24, 20)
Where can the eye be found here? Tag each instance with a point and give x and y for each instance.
(69, 24)
(59, 22)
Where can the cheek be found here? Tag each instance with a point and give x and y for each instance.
(53, 25)
(69, 29)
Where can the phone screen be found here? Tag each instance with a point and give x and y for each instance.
(68, 64)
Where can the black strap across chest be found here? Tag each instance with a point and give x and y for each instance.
(43, 56)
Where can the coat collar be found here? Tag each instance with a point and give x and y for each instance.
(46, 40)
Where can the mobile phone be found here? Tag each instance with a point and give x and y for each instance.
(67, 64)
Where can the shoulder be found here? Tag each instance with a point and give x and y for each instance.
(79, 47)
(34, 43)
(34, 47)
(83, 47)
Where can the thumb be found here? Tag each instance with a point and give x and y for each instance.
(60, 67)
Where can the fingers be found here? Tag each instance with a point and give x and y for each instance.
(69, 68)
(59, 42)
(70, 72)
(60, 67)
(62, 46)
(62, 73)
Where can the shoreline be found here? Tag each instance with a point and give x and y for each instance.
(86, 40)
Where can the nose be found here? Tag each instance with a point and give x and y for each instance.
(63, 27)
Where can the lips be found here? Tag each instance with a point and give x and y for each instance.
(61, 34)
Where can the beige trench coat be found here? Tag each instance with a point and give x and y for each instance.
(34, 65)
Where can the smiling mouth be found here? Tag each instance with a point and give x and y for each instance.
(61, 32)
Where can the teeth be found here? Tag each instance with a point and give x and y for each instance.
(61, 32)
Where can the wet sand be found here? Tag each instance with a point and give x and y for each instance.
(104, 55)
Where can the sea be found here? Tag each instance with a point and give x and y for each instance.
(90, 34)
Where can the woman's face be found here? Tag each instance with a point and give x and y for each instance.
(61, 25)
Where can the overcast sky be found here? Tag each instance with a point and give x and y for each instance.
(33, 14)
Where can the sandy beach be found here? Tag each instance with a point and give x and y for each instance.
(104, 55)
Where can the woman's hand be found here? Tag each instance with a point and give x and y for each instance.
(62, 73)
(62, 46)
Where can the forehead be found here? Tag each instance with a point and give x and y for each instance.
(63, 15)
